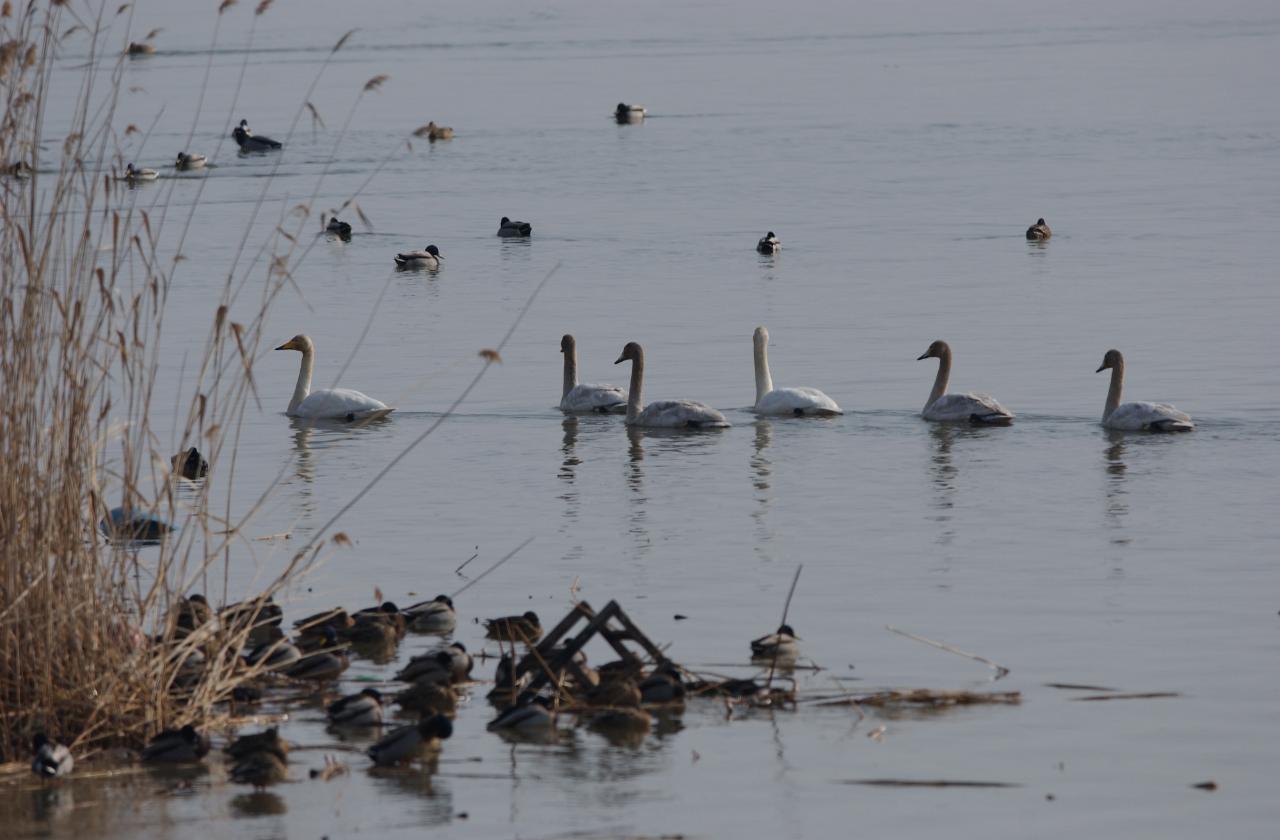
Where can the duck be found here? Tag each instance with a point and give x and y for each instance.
(584, 398)
(664, 414)
(1039, 231)
(508, 228)
(386, 612)
(426, 697)
(321, 666)
(461, 662)
(438, 132)
(260, 769)
(1137, 416)
(134, 173)
(781, 645)
(405, 743)
(505, 686)
(979, 409)
(614, 690)
(51, 760)
(190, 464)
(19, 169)
(268, 740)
(250, 142)
(189, 614)
(436, 666)
(786, 402)
(363, 709)
(428, 258)
(664, 685)
(174, 746)
(343, 404)
(126, 524)
(337, 619)
(769, 244)
(253, 613)
(140, 48)
(187, 161)
(434, 616)
(529, 712)
(514, 628)
(342, 229)
(625, 113)
(274, 656)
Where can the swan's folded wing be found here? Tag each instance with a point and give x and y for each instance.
(681, 414)
(588, 397)
(797, 401)
(1143, 416)
(965, 407)
(338, 404)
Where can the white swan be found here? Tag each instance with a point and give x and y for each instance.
(963, 408)
(1137, 416)
(578, 398)
(786, 401)
(329, 403)
(664, 414)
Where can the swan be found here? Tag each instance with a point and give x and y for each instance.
(769, 244)
(798, 402)
(133, 173)
(583, 397)
(1039, 231)
(330, 403)
(1137, 416)
(971, 407)
(438, 132)
(508, 228)
(428, 258)
(187, 161)
(625, 113)
(250, 142)
(342, 229)
(664, 414)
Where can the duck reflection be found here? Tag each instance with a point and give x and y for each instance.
(260, 803)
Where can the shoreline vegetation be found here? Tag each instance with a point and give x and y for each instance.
(97, 643)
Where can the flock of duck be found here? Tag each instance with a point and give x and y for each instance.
(344, 404)
(615, 699)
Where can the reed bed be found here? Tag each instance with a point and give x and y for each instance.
(89, 649)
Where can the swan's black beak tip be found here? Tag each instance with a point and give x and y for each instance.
(1100, 369)
(922, 357)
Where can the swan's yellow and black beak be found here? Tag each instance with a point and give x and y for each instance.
(288, 345)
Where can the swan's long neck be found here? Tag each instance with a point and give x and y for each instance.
(570, 371)
(303, 387)
(634, 401)
(1113, 393)
(764, 382)
(940, 381)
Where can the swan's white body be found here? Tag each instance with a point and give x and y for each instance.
(1137, 416)
(791, 402)
(330, 403)
(959, 408)
(664, 414)
(585, 398)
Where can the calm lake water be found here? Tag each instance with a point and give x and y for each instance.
(899, 151)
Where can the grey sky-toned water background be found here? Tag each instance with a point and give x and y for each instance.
(898, 150)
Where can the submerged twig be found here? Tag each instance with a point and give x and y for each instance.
(999, 669)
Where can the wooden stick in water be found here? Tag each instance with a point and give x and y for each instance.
(999, 669)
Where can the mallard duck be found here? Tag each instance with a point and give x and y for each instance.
(514, 628)
(274, 656)
(781, 644)
(622, 721)
(256, 611)
(19, 169)
(134, 173)
(187, 161)
(336, 619)
(505, 687)
(51, 760)
(261, 768)
(176, 746)
(342, 229)
(434, 616)
(268, 740)
(363, 709)
(190, 464)
(250, 142)
(372, 630)
(437, 666)
(246, 694)
(128, 525)
(769, 244)
(529, 712)
(508, 228)
(438, 132)
(625, 113)
(614, 690)
(461, 661)
(407, 742)
(321, 666)
(190, 613)
(428, 258)
(664, 685)
(1039, 231)
(428, 697)
(386, 611)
